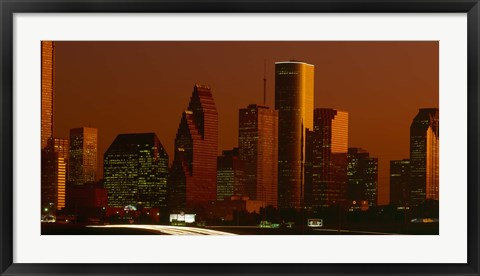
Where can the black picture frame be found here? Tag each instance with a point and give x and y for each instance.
(9, 7)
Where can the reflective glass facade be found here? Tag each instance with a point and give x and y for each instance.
(83, 156)
(257, 141)
(193, 178)
(294, 85)
(48, 87)
(362, 172)
(424, 150)
(136, 171)
(329, 160)
(54, 173)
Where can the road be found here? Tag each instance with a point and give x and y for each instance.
(168, 230)
(138, 229)
(353, 231)
(255, 230)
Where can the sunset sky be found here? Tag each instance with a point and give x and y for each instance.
(128, 87)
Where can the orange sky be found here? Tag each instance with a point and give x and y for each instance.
(125, 87)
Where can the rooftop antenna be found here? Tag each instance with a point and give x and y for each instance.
(264, 82)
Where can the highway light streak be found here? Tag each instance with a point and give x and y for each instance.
(169, 230)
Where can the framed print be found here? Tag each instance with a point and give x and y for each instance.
(201, 137)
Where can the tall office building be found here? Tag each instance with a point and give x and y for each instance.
(399, 182)
(48, 88)
(257, 141)
(362, 172)
(193, 179)
(309, 146)
(329, 147)
(294, 102)
(424, 146)
(136, 171)
(53, 159)
(83, 156)
(230, 175)
(54, 173)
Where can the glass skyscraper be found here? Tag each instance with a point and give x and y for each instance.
(48, 88)
(136, 171)
(362, 171)
(257, 140)
(83, 156)
(230, 175)
(400, 182)
(54, 173)
(424, 147)
(54, 151)
(294, 85)
(329, 147)
(193, 178)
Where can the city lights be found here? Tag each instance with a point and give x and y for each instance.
(327, 151)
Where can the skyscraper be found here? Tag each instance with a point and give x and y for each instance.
(329, 147)
(230, 175)
(54, 152)
(294, 102)
(362, 174)
(309, 146)
(399, 182)
(54, 173)
(83, 155)
(48, 88)
(424, 146)
(193, 179)
(257, 141)
(136, 171)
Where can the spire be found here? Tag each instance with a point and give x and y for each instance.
(265, 82)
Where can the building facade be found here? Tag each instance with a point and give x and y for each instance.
(48, 88)
(257, 141)
(83, 156)
(424, 153)
(328, 144)
(89, 202)
(193, 178)
(136, 171)
(362, 172)
(400, 182)
(294, 86)
(230, 175)
(54, 161)
(54, 151)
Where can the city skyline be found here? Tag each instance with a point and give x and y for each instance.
(166, 137)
